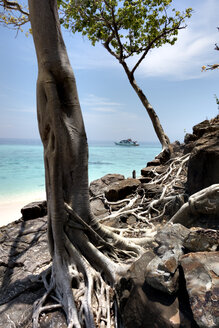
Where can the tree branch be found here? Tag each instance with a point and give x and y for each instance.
(106, 45)
(116, 31)
(15, 6)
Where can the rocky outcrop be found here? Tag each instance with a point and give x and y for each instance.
(166, 288)
(203, 163)
(204, 158)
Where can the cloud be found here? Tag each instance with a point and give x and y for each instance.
(194, 48)
(183, 61)
(94, 103)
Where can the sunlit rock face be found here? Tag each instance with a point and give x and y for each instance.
(201, 272)
(204, 160)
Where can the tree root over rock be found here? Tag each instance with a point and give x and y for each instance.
(94, 257)
(82, 278)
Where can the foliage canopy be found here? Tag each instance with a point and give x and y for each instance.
(125, 27)
(13, 14)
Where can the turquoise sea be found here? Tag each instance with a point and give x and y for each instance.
(22, 172)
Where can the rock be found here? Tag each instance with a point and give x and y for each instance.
(152, 190)
(199, 130)
(147, 308)
(170, 236)
(137, 271)
(205, 127)
(190, 137)
(98, 208)
(201, 272)
(152, 171)
(98, 186)
(176, 146)
(34, 210)
(23, 255)
(142, 306)
(18, 311)
(145, 179)
(121, 189)
(162, 271)
(164, 155)
(203, 163)
(154, 162)
(160, 169)
(199, 240)
(148, 172)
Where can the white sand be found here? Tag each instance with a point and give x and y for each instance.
(10, 207)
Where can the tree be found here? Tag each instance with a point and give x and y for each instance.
(88, 258)
(127, 28)
(78, 244)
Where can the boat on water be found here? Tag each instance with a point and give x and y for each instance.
(127, 142)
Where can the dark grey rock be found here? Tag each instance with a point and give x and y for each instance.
(143, 306)
(203, 163)
(190, 137)
(154, 162)
(162, 271)
(98, 187)
(199, 240)
(201, 272)
(23, 256)
(121, 189)
(34, 210)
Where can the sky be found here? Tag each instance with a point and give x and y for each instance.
(170, 76)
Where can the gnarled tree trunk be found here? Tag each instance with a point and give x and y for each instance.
(73, 233)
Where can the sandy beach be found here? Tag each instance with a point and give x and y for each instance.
(10, 207)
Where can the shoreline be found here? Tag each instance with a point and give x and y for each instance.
(10, 207)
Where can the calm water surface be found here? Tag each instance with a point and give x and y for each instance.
(22, 171)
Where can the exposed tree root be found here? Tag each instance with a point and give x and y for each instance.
(96, 256)
(148, 210)
(204, 202)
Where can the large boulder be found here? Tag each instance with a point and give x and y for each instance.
(203, 163)
(34, 210)
(201, 272)
(162, 271)
(143, 306)
(98, 187)
(121, 189)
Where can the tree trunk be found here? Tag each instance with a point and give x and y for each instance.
(60, 120)
(164, 140)
(73, 233)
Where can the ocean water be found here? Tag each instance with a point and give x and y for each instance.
(22, 171)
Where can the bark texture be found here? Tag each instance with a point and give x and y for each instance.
(74, 235)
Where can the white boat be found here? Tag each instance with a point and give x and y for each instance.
(127, 142)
